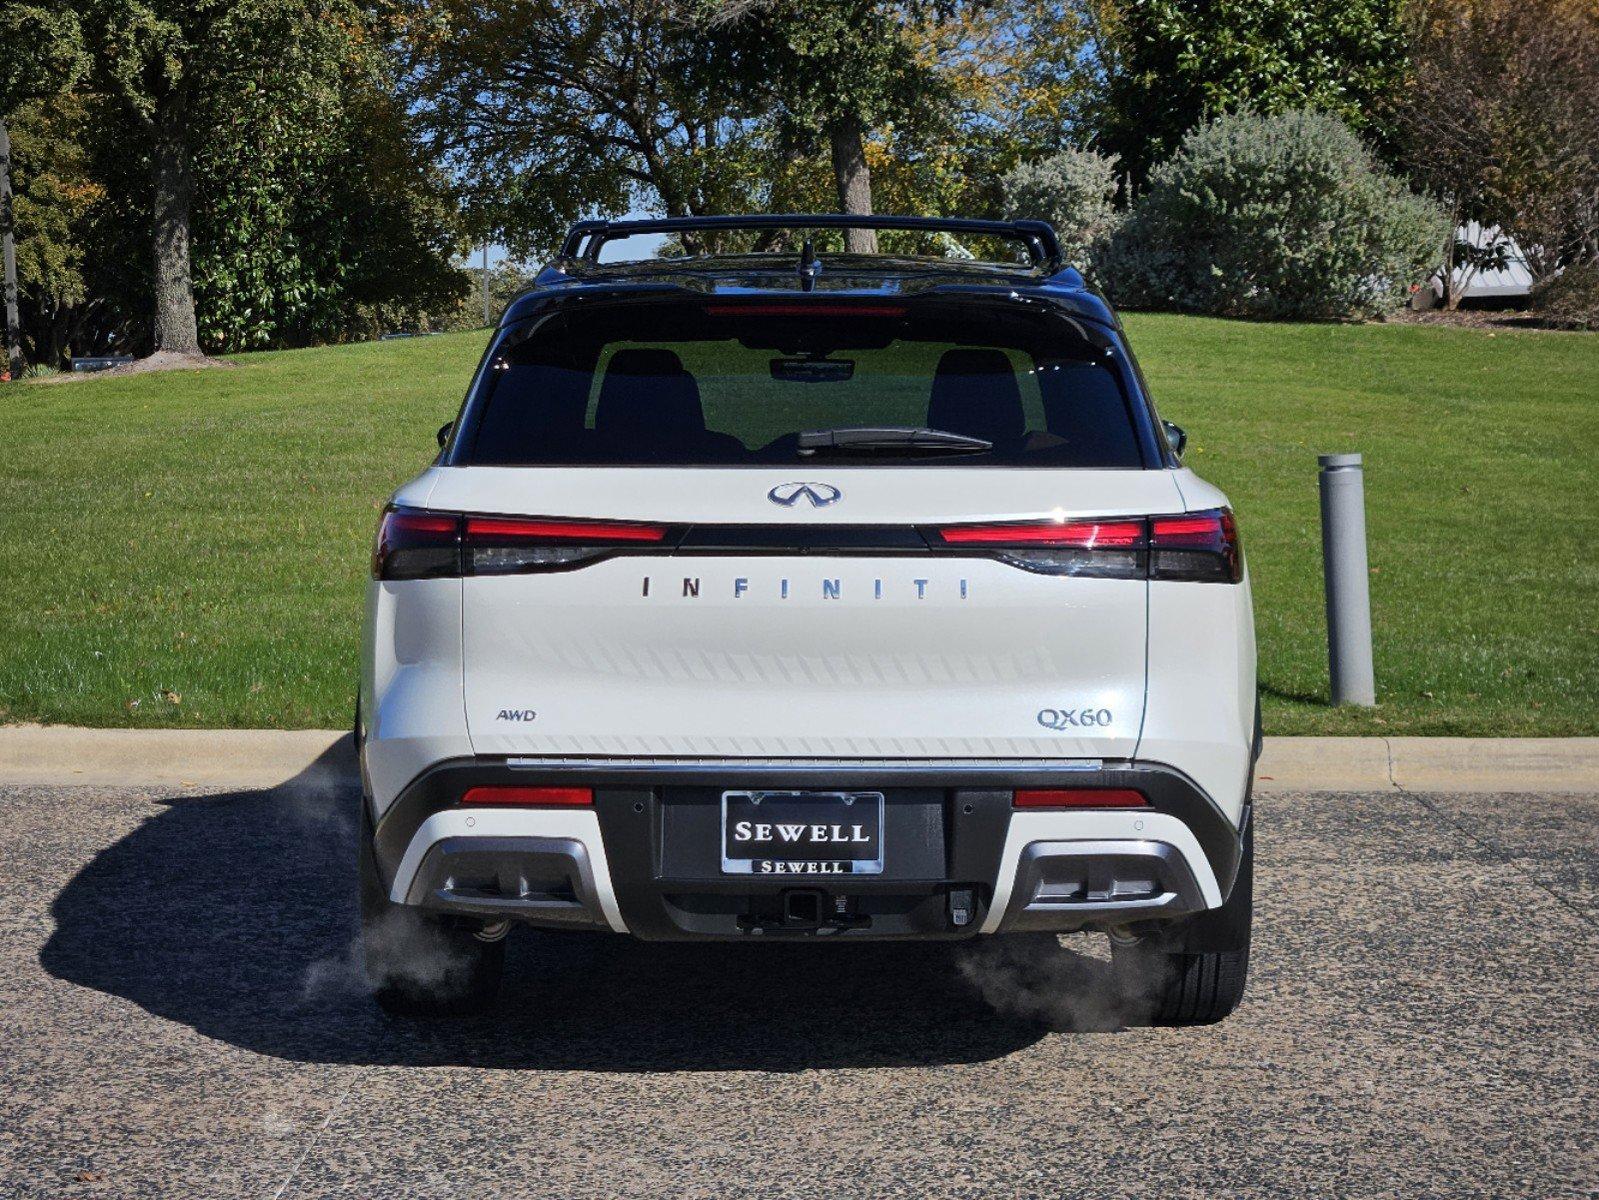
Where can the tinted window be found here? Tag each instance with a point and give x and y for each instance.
(725, 384)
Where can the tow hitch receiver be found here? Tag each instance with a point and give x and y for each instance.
(800, 910)
(962, 904)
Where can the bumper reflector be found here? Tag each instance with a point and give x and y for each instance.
(1080, 798)
(529, 797)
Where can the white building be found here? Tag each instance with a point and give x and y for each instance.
(1510, 280)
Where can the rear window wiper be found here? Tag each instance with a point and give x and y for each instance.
(890, 437)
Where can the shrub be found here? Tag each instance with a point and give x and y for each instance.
(1569, 300)
(1075, 191)
(1274, 217)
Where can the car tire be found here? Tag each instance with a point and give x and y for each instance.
(1169, 979)
(418, 963)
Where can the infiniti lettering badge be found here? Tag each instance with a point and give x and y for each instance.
(819, 494)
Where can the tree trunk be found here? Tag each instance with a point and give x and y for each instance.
(1452, 290)
(8, 251)
(1451, 299)
(173, 176)
(854, 181)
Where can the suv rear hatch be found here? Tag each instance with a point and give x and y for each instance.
(681, 545)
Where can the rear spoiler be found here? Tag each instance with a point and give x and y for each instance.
(585, 238)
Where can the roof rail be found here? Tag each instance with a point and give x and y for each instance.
(586, 237)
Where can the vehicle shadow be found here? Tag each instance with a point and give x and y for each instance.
(234, 914)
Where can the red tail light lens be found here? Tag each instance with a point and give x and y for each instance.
(513, 545)
(528, 797)
(1111, 549)
(412, 544)
(1080, 798)
(1196, 547)
(1201, 547)
(491, 529)
(1087, 535)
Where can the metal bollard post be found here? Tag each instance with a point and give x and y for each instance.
(1343, 554)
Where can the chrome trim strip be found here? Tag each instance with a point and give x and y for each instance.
(919, 766)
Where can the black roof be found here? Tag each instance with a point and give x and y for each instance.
(578, 271)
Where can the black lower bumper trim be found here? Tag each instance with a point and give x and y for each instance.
(950, 821)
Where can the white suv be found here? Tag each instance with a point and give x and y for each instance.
(776, 596)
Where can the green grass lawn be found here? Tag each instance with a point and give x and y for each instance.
(189, 548)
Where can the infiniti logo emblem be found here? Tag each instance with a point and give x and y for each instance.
(819, 494)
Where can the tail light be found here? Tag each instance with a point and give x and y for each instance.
(1080, 798)
(511, 546)
(417, 545)
(1199, 546)
(1100, 549)
(1196, 547)
(528, 797)
(413, 544)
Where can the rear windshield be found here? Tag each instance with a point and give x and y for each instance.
(725, 384)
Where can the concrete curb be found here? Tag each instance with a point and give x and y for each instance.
(261, 758)
(1421, 764)
(199, 758)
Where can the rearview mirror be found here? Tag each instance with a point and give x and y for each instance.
(813, 370)
(444, 433)
(1175, 438)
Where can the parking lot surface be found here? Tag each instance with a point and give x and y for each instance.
(182, 1016)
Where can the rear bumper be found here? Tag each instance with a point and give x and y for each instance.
(644, 859)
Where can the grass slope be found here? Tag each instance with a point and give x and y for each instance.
(189, 548)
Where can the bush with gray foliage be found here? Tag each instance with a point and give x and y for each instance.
(1279, 217)
(1075, 191)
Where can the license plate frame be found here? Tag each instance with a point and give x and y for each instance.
(829, 807)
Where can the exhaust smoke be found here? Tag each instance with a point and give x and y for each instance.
(1066, 983)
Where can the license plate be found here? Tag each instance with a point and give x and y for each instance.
(802, 833)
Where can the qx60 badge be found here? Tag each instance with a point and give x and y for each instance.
(1073, 718)
(819, 494)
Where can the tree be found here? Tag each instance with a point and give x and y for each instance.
(163, 59)
(1006, 83)
(281, 189)
(41, 55)
(156, 56)
(55, 203)
(314, 216)
(1020, 76)
(833, 72)
(1172, 63)
(548, 110)
(1501, 121)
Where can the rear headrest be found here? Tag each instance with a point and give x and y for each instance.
(975, 393)
(647, 393)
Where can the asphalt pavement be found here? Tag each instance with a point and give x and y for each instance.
(181, 1016)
